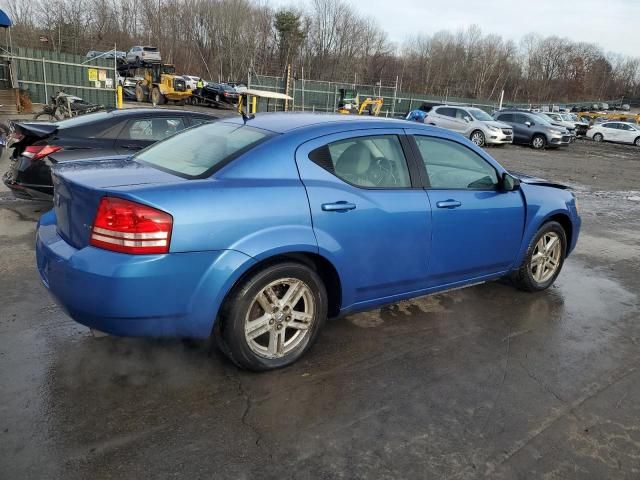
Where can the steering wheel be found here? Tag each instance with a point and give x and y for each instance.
(380, 172)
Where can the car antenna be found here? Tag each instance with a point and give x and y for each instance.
(246, 117)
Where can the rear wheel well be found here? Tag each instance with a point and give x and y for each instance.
(565, 222)
(318, 263)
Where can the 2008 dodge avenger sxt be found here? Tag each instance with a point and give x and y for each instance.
(255, 231)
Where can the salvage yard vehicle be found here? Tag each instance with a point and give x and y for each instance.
(140, 55)
(580, 125)
(38, 145)
(556, 119)
(618, 132)
(217, 93)
(254, 230)
(532, 129)
(473, 123)
(161, 84)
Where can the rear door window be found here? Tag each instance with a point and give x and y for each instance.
(506, 117)
(152, 129)
(447, 112)
(199, 151)
(369, 162)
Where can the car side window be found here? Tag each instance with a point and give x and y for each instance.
(200, 120)
(461, 114)
(152, 129)
(507, 117)
(368, 162)
(446, 111)
(522, 119)
(451, 165)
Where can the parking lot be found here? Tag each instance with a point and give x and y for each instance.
(482, 382)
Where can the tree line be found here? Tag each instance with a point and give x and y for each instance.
(329, 40)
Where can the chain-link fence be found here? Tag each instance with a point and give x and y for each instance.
(323, 96)
(43, 73)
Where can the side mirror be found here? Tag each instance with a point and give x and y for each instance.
(509, 183)
(528, 124)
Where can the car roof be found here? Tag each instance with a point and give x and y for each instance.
(158, 111)
(281, 122)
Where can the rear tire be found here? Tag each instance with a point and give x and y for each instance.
(538, 142)
(543, 260)
(598, 137)
(260, 329)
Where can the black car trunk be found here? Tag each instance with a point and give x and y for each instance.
(23, 134)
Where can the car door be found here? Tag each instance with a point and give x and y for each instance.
(141, 132)
(445, 117)
(521, 131)
(370, 215)
(476, 227)
(610, 131)
(627, 133)
(460, 122)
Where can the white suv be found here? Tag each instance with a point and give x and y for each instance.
(475, 124)
(139, 55)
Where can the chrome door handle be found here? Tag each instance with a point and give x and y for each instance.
(341, 206)
(449, 204)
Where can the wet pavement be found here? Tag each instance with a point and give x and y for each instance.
(486, 382)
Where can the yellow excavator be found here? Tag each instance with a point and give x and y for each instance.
(349, 103)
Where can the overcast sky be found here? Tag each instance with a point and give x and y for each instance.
(612, 24)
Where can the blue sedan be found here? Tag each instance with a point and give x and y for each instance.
(256, 231)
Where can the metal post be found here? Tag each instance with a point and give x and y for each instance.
(395, 95)
(501, 99)
(302, 68)
(44, 75)
(115, 78)
(335, 98)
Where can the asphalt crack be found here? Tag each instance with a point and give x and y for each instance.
(248, 400)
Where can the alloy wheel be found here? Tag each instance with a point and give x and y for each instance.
(538, 142)
(545, 259)
(598, 137)
(280, 318)
(478, 138)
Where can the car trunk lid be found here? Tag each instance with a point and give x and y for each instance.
(79, 186)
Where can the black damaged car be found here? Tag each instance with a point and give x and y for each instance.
(38, 145)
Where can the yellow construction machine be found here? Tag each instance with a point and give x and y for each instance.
(161, 84)
(349, 103)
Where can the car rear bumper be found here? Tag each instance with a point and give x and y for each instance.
(172, 295)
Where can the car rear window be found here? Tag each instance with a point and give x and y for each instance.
(150, 49)
(199, 151)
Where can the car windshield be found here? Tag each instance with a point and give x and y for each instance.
(543, 119)
(480, 115)
(196, 152)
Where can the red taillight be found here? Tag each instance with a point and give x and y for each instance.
(36, 152)
(129, 227)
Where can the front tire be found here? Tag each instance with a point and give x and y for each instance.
(477, 137)
(598, 137)
(157, 98)
(538, 142)
(544, 259)
(637, 142)
(273, 317)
